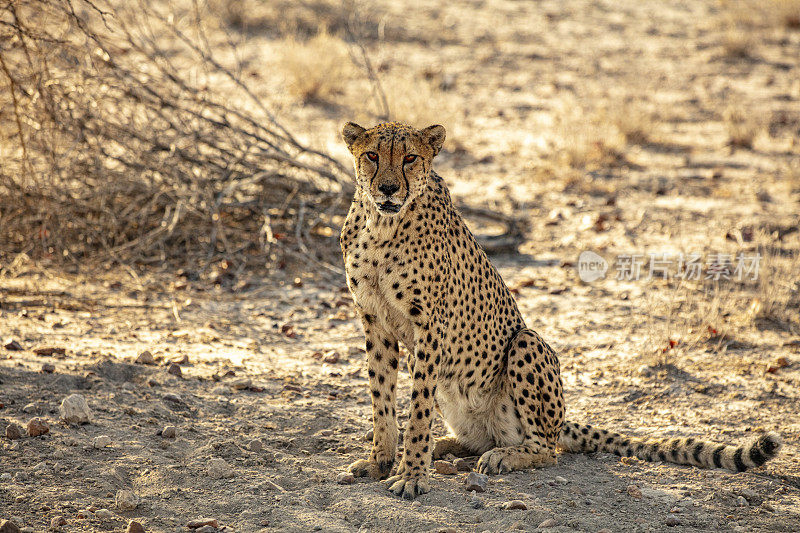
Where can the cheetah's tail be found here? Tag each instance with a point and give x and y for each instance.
(583, 438)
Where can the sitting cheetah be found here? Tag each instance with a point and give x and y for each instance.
(418, 276)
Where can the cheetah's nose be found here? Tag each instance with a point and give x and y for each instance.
(388, 188)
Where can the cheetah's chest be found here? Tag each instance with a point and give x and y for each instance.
(373, 278)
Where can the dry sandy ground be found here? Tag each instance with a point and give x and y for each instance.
(537, 97)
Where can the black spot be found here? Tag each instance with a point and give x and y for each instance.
(717, 456)
(757, 457)
(737, 460)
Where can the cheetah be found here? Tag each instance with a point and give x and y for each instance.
(418, 277)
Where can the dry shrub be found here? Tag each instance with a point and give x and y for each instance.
(631, 119)
(743, 22)
(588, 142)
(743, 127)
(123, 137)
(316, 69)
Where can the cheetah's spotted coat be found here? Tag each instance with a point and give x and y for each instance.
(418, 277)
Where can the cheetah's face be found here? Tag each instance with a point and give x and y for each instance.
(392, 161)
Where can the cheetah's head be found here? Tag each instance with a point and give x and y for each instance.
(392, 161)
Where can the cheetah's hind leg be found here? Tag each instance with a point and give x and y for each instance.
(450, 445)
(535, 387)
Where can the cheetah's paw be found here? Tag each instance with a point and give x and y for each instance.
(408, 487)
(371, 468)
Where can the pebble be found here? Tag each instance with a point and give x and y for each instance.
(672, 521)
(7, 526)
(255, 445)
(75, 410)
(13, 346)
(169, 432)
(741, 501)
(477, 482)
(445, 467)
(57, 521)
(172, 397)
(36, 427)
(174, 369)
(200, 522)
(345, 478)
(604, 530)
(476, 503)
(768, 507)
(634, 491)
(134, 527)
(146, 358)
(49, 368)
(560, 480)
(462, 465)
(5, 476)
(104, 514)
(241, 383)
(550, 522)
(101, 442)
(218, 469)
(515, 504)
(331, 357)
(29, 408)
(369, 435)
(126, 500)
(13, 432)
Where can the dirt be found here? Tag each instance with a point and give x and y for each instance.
(279, 359)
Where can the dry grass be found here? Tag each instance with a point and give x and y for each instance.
(588, 142)
(632, 121)
(743, 127)
(316, 70)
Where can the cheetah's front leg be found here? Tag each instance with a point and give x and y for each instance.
(411, 479)
(382, 361)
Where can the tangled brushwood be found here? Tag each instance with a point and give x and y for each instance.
(124, 138)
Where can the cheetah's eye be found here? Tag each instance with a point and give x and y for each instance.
(372, 156)
(409, 158)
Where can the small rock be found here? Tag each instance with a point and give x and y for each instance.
(169, 432)
(206, 529)
(741, 501)
(477, 482)
(476, 503)
(104, 514)
(49, 368)
(604, 530)
(550, 522)
(768, 507)
(13, 432)
(560, 480)
(172, 397)
(515, 504)
(218, 469)
(181, 360)
(37, 426)
(145, 358)
(174, 369)
(345, 478)
(30, 408)
(75, 410)
(462, 465)
(241, 383)
(5, 476)
(255, 445)
(646, 371)
(672, 521)
(369, 435)
(13, 346)
(634, 491)
(50, 351)
(57, 521)
(134, 527)
(101, 442)
(126, 500)
(445, 467)
(7, 526)
(331, 357)
(200, 522)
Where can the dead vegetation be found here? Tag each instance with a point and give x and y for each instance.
(123, 133)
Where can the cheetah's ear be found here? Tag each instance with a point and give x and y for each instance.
(434, 135)
(350, 133)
